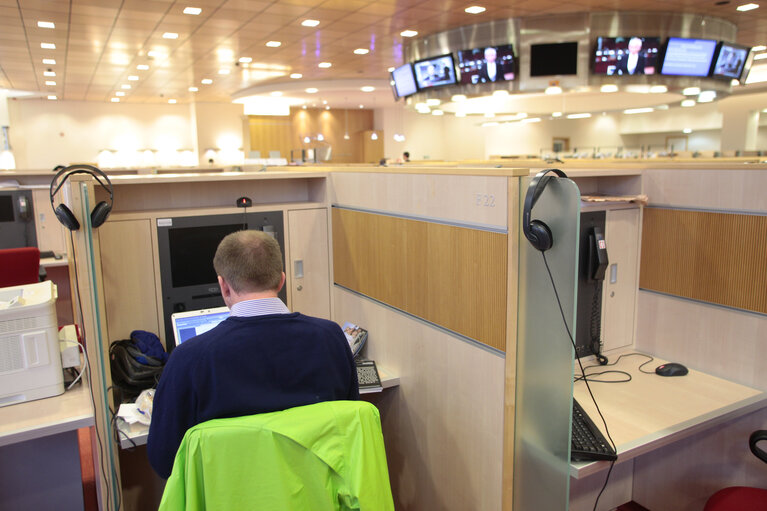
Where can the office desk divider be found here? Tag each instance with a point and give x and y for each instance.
(545, 353)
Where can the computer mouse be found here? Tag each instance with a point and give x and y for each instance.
(671, 369)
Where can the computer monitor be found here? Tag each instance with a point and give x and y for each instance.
(435, 72)
(192, 323)
(730, 61)
(403, 81)
(554, 59)
(688, 57)
(634, 55)
(17, 219)
(487, 64)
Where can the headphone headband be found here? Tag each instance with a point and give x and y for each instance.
(536, 231)
(100, 211)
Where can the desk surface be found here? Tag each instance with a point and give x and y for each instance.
(43, 417)
(651, 411)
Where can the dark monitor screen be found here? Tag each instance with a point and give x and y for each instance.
(730, 61)
(404, 81)
(6, 208)
(192, 250)
(688, 57)
(554, 59)
(633, 55)
(487, 64)
(435, 72)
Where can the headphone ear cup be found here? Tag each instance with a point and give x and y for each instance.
(100, 214)
(66, 217)
(540, 235)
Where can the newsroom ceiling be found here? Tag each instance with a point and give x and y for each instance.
(104, 47)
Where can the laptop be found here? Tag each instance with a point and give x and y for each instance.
(191, 323)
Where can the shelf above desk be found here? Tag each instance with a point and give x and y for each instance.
(652, 411)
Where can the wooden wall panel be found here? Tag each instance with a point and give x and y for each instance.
(712, 257)
(452, 276)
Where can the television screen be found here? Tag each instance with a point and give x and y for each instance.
(488, 64)
(730, 61)
(192, 250)
(554, 59)
(633, 55)
(404, 81)
(688, 57)
(435, 72)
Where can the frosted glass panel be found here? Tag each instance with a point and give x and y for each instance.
(545, 354)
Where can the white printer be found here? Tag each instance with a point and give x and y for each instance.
(30, 360)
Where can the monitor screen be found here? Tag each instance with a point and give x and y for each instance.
(688, 57)
(554, 59)
(6, 208)
(487, 64)
(404, 81)
(730, 61)
(435, 72)
(633, 55)
(192, 250)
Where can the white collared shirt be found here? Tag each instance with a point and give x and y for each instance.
(259, 307)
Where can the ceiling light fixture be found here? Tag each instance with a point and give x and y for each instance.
(52, 98)
(409, 33)
(761, 56)
(50, 82)
(362, 106)
(312, 90)
(390, 69)
(687, 131)
(49, 73)
(273, 44)
(324, 65)
(457, 98)
(553, 89)
(296, 76)
(437, 112)
(530, 120)
(142, 67)
(170, 35)
(475, 9)
(706, 96)
(47, 46)
(637, 110)
(608, 87)
(367, 88)
(172, 101)
(310, 23)
(579, 116)
(761, 47)
(119, 93)
(193, 11)
(500, 93)
(245, 60)
(224, 71)
(556, 114)
(747, 7)
(327, 107)
(432, 102)
(50, 62)
(46, 24)
(206, 81)
(133, 78)
(115, 100)
(691, 91)
(193, 89)
(687, 103)
(276, 93)
(361, 51)
(658, 89)
(125, 86)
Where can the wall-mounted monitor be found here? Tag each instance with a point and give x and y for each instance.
(688, 57)
(404, 81)
(487, 64)
(554, 59)
(435, 72)
(634, 55)
(730, 60)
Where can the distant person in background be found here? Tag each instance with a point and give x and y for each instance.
(406, 156)
(634, 62)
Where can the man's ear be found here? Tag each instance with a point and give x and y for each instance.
(225, 289)
(282, 282)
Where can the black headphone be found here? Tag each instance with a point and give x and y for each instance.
(100, 211)
(537, 232)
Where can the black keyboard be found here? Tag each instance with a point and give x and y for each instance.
(588, 443)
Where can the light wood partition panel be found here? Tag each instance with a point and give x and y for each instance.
(711, 257)
(452, 276)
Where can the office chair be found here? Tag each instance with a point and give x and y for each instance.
(742, 498)
(324, 456)
(19, 266)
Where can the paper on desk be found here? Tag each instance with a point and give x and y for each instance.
(129, 413)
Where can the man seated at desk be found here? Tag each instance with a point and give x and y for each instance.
(262, 358)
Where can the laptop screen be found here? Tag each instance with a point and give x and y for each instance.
(191, 323)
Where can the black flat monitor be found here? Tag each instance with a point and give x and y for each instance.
(688, 57)
(554, 59)
(730, 61)
(403, 81)
(487, 64)
(435, 72)
(634, 55)
(17, 219)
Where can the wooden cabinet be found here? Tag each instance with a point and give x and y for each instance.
(308, 264)
(51, 235)
(620, 284)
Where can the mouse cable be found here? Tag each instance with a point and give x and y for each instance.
(590, 377)
(615, 362)
(585, 380)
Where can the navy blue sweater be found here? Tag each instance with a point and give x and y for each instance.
(244, 366)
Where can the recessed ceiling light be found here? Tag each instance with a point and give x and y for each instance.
(324, 65)
(276, 93)
(296, 76)
(637, 110)
(530, 120)
(687, 131)
(273, 44)
(324, 101)
(45, 24)
(172, 101)
(142, 67)
(50, 82)
(312, 90)
(747, 7)
(193, 89)
(408, 33)
(367, 88)
(687, 103)
(500, 93)
(194, 11)
(206, 81)
(52, 98)
(170, 35)
(223, 71)
(49, 73)
(47, 46)
(125, 86)
(362, 106)
(556, 114)
(437, 112)
(304, 107)
(433, 102)
(658, 89)
(361, 51)
(706, 96)
(691, 91)
(475, 9)
(119, 93)
(761, 47)
(115, 100)
(390, 69)
(609, 87)
(553, 89)
(310, 23)
(761, 56)
(246, 60)
(579, 116)
(327, 107)
(50, 62)
(156, 54)
(133, 78)
(458, 97)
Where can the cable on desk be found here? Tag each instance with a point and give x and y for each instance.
(585, 380)
(627, 375)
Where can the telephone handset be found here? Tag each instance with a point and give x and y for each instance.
(598, 262)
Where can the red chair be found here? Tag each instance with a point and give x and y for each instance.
(19, 266)
(742, 498)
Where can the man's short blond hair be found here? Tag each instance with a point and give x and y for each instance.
(249, 261)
